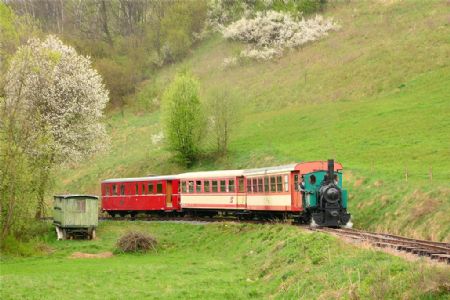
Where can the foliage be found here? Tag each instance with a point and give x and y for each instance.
(181, 24)
(135, 241)
(60, 95)
(270, 32)
(223, 112)
(183, 117)
(55, 101)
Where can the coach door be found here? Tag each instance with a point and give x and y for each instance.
(168, 193)
(295, 189)
(241, 202)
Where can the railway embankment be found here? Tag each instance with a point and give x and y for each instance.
(220, 260)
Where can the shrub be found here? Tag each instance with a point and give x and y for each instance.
(134, 241)
(268, 33)
(183, 117)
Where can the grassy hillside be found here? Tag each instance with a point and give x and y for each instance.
(258, 261)
(374, 95)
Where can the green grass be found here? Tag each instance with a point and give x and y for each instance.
(374, 95)
(219, 261)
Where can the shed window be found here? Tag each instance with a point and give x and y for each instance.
(223, 186)
(241, 185)
(260, 185)
(80, 205)
(214, 186)
(206, 186)
(273, 185)
(279, 184)
(231, 185)
(198, 186)
(159, 188)
(249, 185)
(183, 187)
(286, 183)
(122, 189)
(266, 184)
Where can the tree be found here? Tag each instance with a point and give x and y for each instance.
(58, 100)
(223, 113)
(183, 117)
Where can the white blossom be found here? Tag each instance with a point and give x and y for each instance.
(60, 96)
(268, 33)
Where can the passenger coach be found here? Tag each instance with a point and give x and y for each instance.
(123, 196)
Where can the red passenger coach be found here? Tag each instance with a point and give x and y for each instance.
(155, 194)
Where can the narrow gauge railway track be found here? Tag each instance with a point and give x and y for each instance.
(435, 250)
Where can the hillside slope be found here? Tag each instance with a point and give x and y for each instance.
(374, 95)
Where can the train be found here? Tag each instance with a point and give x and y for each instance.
(307, 192)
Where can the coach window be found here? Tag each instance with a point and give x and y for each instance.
(106, 190)
(198, 186)
(122, 189)
(296, 187)
(206, 186)
(137, 189)
(249, 185)
(286, 183)
(190, 186)
(143, 189)
(273, 185)
(254, 185)
(260, 185)
(114, 190)
(223, 186)
(231, 186)
(266, 184)
(279, 183)
(214, 186)
(159, 188)
(183, 186)
(241, 185)
(150, 188)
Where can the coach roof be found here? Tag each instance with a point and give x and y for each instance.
(148, 178)
(211, 174)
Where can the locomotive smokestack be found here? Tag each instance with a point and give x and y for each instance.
(330, 170)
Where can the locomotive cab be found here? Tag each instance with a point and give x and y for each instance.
(324, 198)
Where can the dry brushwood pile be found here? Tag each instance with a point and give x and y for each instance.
(136, 242)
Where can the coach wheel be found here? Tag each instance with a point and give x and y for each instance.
(122, 214)
(112, 214)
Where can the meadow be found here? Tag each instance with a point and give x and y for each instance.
(373, 95)
(219, 261)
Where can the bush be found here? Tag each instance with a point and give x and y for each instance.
(268, 33)
(134, 241)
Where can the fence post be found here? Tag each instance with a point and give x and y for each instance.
(406, 174)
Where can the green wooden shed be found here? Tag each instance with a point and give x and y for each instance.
(75, 216)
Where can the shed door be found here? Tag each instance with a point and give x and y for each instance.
(169, 194)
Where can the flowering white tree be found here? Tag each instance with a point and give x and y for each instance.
(58, 99)
(268, 33)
